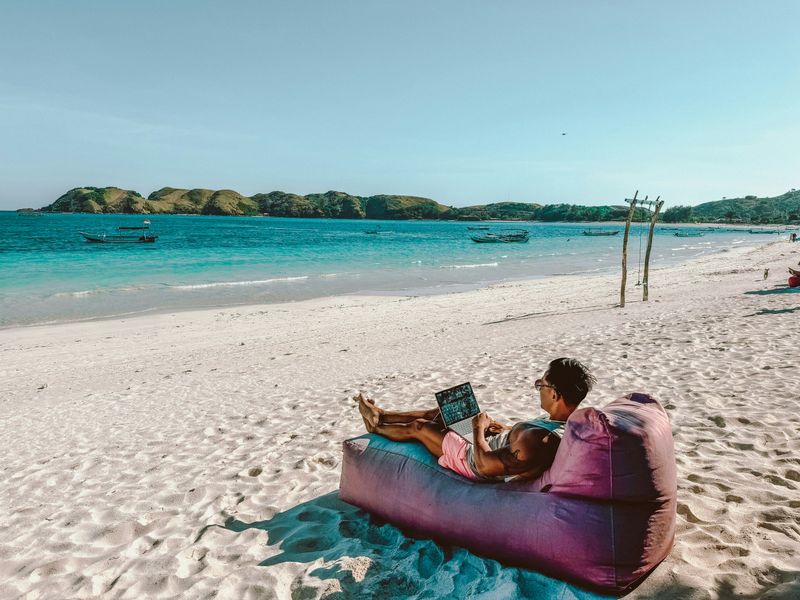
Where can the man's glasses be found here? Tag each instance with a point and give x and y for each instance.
(539, 384)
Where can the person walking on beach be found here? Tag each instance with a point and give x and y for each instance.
(499, 452)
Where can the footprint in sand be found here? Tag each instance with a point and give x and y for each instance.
(310, 543)
(429, 560)
(383, 535)
(397, 586)
(687, 514)
(316, 516)
(742, 446)
(732, 549)
(775, 480)
(353, 529)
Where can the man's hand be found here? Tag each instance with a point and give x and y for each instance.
(494, 428)
(481, 422)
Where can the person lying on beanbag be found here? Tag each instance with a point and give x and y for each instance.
(497, 452)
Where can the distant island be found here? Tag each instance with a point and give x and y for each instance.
(784, 209)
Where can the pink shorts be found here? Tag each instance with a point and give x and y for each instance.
(454, 455)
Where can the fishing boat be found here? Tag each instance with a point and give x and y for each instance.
(599, 233)
(689, 234)
(504, 236)
(765, 231)
(122, 238)
(477, 228)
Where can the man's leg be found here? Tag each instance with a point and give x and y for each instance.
(429, 433)
(374, 416)
(391, 416)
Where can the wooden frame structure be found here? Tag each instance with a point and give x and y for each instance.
(653, 218)
(654, 207)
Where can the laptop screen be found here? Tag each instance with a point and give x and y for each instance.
(457, 403)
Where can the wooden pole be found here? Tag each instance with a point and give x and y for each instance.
(625, 251)
(653, 220)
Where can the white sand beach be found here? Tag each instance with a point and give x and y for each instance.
(197, 454)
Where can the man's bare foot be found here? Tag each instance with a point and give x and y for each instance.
(370, 413)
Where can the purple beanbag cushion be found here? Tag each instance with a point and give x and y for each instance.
(603, 516)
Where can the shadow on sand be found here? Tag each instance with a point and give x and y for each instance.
(368, 558)
(778, 289)
(773, 311)
(346, 553)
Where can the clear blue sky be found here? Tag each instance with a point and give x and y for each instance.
(461, 101)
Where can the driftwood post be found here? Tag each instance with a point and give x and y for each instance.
(625, 251)
(653, 220)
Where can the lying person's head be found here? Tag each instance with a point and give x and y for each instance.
(530, 451)
(564, 386)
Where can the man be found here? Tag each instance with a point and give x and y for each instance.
(523, 451)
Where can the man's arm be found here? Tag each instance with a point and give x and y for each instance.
(487, 461)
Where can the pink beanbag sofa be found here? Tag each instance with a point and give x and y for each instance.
(602, 517)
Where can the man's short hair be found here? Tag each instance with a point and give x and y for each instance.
(571, 379)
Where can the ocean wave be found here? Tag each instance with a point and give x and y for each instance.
(80, 294)
(202, 286)
(475, 266)
(94, 292)
(581, 272)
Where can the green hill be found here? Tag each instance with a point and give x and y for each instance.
(403, 207)
(751, 209)
(281, 204)
(340, 205)
(98, 200)
(200, 202)
(499, 210)
(168, 200)
(783, 209)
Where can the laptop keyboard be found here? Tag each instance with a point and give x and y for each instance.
(463, 428)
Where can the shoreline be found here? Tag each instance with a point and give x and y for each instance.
(198, 453)
(430, 290)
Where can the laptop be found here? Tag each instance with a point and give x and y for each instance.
(458, 405)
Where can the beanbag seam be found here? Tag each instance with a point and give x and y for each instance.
(606, 428)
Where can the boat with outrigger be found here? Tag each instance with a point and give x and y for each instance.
(123, 238)
(689, 234)
(504, 236)
(599, 232)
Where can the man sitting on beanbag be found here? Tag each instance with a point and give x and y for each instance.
(499, 452)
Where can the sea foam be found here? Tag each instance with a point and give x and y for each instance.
(203, 286)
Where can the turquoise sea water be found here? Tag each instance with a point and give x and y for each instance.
(48, 273)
